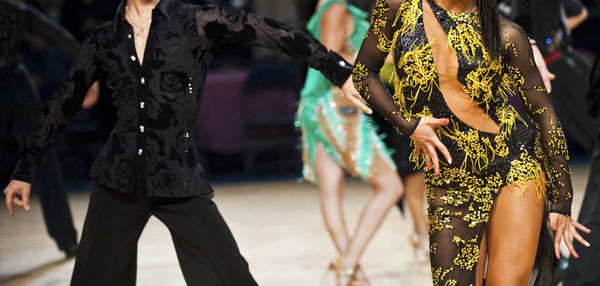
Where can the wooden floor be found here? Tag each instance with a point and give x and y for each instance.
(278, 227)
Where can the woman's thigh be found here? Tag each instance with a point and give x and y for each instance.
(512, 235)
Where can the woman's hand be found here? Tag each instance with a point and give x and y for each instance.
(565, 228)
(351, 94)
(11, 191)
(426, 141)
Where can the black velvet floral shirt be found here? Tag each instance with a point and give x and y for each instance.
(151, 149)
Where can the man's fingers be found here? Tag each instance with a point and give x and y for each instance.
(17, 202)
(8, 200)
(358, 103)
(25, 198)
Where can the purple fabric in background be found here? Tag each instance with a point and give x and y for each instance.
(221, 121)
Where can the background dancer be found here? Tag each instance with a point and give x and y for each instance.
(20, 103)
(411, 175)
(338, 137)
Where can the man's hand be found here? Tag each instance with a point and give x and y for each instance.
(351, 94)
(11, 191)
(547, 76)
(91, 97)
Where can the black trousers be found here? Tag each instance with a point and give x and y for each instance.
(207, 252)
(19, 107)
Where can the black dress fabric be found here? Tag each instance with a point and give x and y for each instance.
(151, 148)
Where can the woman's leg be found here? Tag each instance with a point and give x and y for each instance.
(387, 189)
(330, 178)
(456, 228)
(482, 260)
(512, 236)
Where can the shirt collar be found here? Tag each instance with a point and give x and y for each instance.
(164, 7)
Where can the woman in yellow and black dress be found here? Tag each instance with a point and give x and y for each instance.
(456, 65)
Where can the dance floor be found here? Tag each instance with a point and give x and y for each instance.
(278, 227)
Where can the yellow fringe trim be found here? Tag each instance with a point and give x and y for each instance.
(522, 179)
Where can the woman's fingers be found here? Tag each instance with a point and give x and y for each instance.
(553, 217)
(580, 227)
(443, 149)
(569, 243)
(427, 158)
(557, 238)
(576, 235)
(434, 158)
(438, 121)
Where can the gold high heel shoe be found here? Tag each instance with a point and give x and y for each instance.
(354, 277)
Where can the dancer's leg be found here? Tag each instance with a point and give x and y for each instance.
(512, 236)
(108, 248)
(454, 241)
(415, 198)
(331, 190)
(387, 189)
(50, 185)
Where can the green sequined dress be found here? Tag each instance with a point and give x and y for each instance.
(327, 118)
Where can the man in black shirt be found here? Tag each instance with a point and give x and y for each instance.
(155, 57)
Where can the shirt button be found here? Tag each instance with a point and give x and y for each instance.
(140, 151)
(342, 63)
(142, 105)
(143, 80)
(187, 135)
(132, 58)
(142, 128)
(128, 36)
